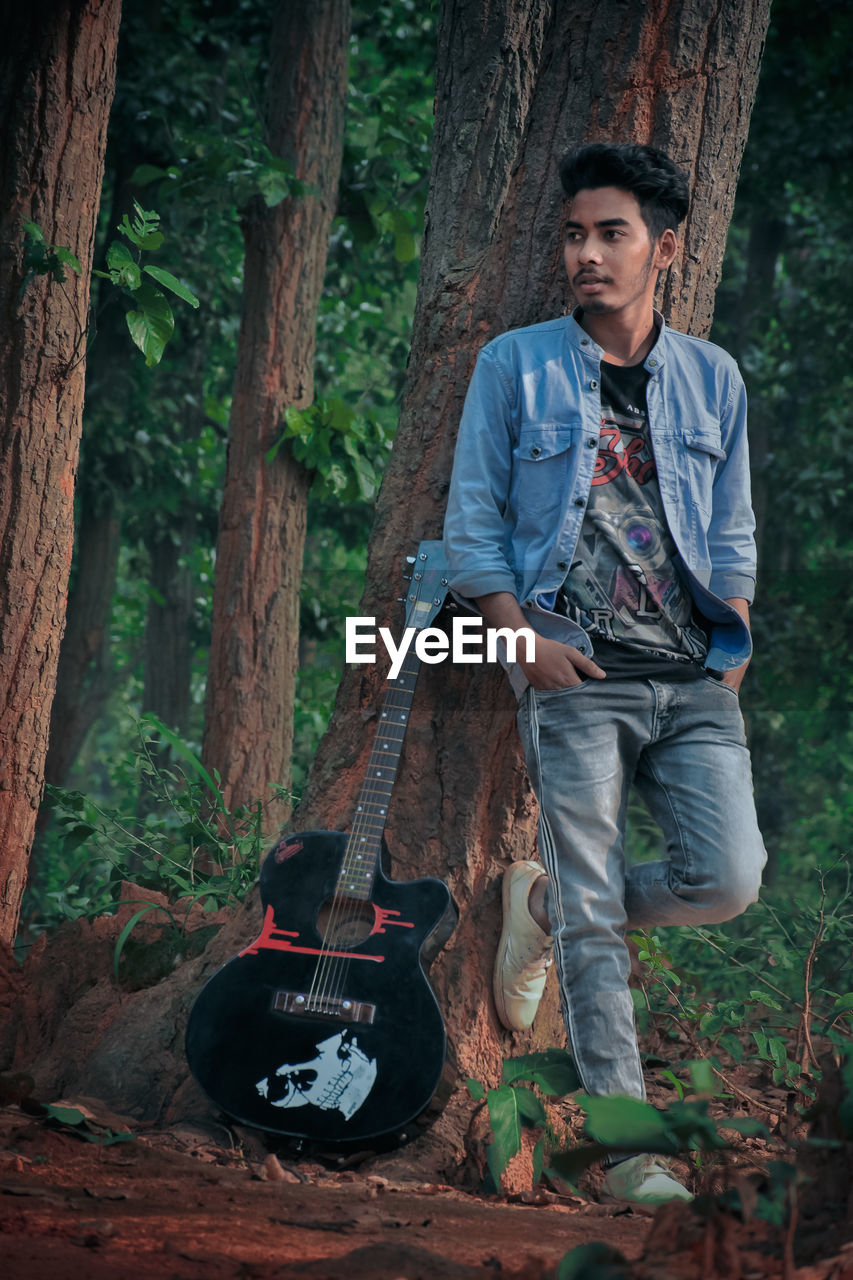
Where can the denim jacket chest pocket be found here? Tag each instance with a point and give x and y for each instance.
(702, 451)
(544, 464)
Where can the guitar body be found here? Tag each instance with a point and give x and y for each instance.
(325, 1028)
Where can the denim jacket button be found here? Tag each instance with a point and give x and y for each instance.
(562, 564)
(579, 502)
(593, 385)
(591, 442)
(535, 451)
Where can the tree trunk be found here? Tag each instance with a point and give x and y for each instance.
(84, 678)
(254, 642)
(519, 81)
(57, 77)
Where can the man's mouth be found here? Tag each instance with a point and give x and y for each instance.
(588, 281)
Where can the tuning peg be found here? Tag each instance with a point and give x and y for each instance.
(410, 559)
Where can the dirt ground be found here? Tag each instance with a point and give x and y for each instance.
(75, 1204)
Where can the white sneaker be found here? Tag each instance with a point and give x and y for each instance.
(643, 1180)
(524, 953)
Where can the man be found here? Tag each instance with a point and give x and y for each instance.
(600, 495)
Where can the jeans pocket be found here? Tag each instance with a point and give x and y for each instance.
(720, 684)
(548, 695)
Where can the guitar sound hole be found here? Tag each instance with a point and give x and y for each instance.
(345, 922)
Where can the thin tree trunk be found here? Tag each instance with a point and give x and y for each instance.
(84, 678)
(57, 77)
(255, 636)
(85, 675)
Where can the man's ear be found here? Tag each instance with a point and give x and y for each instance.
(666, 249)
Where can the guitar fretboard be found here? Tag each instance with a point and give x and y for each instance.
(365, 841)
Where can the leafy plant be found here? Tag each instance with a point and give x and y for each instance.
(151, 322)
(84, 1126)
(785, 978)
(336, 444)
(191, 848)
(513, 1105)
(41, 258)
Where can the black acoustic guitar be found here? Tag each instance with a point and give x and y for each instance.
(325, 1029)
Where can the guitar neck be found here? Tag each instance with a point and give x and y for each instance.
(364, 845)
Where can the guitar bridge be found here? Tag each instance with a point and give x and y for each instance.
(338, 1008)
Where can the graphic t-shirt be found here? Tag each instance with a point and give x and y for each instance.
(623, 586)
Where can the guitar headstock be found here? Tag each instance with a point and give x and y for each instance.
(427, 584)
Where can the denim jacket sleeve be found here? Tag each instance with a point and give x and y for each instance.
(731, 542)
(475, 529)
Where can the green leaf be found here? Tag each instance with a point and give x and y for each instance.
(778, 1051)
(701, 1075)
(145, 173)
(530, 1109)
(77, 835)
(34, 231)
(66, 256)
(594, 1261)
(552, 1070)
(152, 324)
(124, 266)
(746, 1125)
(770, 1001)
(65, 1115)
(619, 1121)
(143, 231)
(180, 749)
(732, 1046)
(131, 925)
(475, 1089)
(168, 281)
(673, 1079)
(273, 186)
(506, 1129)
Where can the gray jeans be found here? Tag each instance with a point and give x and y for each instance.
(683, 744)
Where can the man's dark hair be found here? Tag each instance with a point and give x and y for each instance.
(659, 186)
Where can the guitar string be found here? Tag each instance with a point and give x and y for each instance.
(328, 976)
(331, 970)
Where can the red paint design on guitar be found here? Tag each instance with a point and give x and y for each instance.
(283, 850)
(271, 938)
(382, 917)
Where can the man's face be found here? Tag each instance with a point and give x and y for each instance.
(610, 260)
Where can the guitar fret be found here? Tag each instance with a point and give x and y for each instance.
(365, 841)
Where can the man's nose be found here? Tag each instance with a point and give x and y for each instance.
(589, 251)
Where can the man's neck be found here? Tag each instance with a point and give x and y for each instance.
(625, 339)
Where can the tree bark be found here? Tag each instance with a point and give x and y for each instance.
(57, 73)
(255, 634)
(518, 82)
(84, 676)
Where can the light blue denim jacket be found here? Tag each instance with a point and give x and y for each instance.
(524, 462)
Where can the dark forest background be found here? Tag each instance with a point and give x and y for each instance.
(185, 141)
